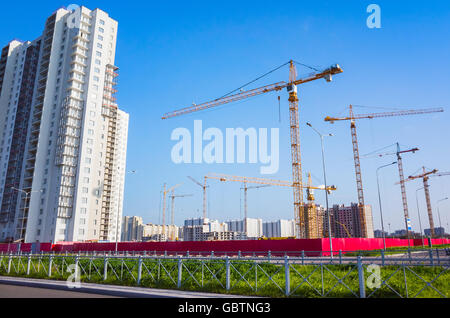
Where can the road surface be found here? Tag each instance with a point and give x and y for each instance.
(14, 291)
(13, 287)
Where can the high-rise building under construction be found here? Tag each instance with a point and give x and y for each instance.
(63, 138)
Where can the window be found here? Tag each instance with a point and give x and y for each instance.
(100, 38)
(101, 30)
(99, 45)
(98, 54)
(102, 22)
(85, 190)
(83, 211)
(96, 78)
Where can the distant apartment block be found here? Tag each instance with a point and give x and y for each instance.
(251, 228)
(279, 229)
(132, 229)
(208, 230)
(63, 139)
(346, 222)
(438, 231)
(314, 216)
(161, 233)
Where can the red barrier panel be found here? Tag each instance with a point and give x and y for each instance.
(8, 248)
(319, 246)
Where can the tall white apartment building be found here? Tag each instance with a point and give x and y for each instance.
(63, 139)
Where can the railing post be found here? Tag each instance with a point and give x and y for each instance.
(437, 256)
(77, 260)
(431, 257)
(269, 254)
(362, 285)
(187, 253)
(227, 267)
(382, 257)
(303, 257)
(180, 271)
(287, 276)
(9, 263)
(29, 265)
(50, 262)
(139, 275)
(340, 257)
(105, 269)
(239, 254)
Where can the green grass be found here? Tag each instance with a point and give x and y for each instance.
(253, 280)
(395, 250)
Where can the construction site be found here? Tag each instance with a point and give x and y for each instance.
(311, 222)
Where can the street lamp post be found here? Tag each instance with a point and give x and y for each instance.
(27, 195)
(118, 214)
(379, 200)
(439, 214)
(326, 186)
(418, 214)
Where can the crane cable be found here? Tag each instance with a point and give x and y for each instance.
(266, 74)
(257, 79)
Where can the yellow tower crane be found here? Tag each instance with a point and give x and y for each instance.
(165, 192)
(291, 87)
(425, 176)
(352, 118)
(309, 217)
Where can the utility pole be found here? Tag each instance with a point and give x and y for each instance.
(379, 200)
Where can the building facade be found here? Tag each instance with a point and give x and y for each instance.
(161, 233)
(251, 228)
(64, 139)
(132, 229)
(345, 222)
(279, 229)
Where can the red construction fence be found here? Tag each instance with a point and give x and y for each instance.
(320, 246)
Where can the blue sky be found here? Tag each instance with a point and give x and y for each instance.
(172, 54)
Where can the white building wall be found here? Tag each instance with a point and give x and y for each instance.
(280, 228)
(254, 227)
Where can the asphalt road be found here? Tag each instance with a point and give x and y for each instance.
(15, 287)
(13, 291)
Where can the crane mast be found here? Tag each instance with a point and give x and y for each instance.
(426, 188)
(295, 151)
(359, 184)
